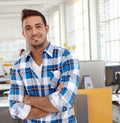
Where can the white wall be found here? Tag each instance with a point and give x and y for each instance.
(10, 28)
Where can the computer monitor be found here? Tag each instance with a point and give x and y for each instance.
(94, 71)
(112, 76)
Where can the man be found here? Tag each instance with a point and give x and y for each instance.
(44, 81)
(22, 52)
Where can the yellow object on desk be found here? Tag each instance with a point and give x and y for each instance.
(6, 68)
(99, 103)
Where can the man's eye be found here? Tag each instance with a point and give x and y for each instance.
(39, 26)
(27, 29)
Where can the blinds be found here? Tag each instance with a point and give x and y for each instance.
(77, 27)
(54, 24)
(109, 30)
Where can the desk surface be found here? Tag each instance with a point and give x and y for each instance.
(4, 87)
(116, 97)
(4, 102)
(99, 104)
(4, 79)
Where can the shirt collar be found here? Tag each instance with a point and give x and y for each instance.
(49, 50)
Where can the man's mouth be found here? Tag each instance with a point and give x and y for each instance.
(35, 37)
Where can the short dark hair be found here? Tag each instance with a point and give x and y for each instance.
(21, 51)
(29, 12)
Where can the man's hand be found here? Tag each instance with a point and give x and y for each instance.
(37, 113)
(42, 103)
(26, 99)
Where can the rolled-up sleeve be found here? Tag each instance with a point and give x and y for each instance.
(64, 99)
(16, 106)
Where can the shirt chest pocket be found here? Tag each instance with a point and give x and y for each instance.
(54, 79)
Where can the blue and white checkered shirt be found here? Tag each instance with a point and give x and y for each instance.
(58, 66)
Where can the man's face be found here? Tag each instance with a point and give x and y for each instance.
(34, 31)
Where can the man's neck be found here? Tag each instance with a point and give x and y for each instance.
(37, 54)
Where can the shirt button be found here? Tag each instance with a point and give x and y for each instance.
(64, 108)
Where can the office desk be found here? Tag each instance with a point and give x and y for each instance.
(116, 108)
(4, 101)
(116, 98)
(3, 84)
(99, 102)
(5, 116)
(116, 112)
(4, 87)
(4, 79)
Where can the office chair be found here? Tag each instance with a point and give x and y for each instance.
(6, 68)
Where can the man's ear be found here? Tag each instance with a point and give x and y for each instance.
(47, 28)
(23, 33)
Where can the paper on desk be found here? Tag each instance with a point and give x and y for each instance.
(4, 86)
(4, 102)
(116, 97)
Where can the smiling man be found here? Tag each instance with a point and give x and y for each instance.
(44, 81)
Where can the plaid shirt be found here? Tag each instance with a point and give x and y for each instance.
(58, 66)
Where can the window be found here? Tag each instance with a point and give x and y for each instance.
(11, 40)
(10, 49)
(77, 27)
(54, 33)
(109, 30)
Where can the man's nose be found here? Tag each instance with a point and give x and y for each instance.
(34, 31)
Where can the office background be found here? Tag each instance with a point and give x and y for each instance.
(89, 28)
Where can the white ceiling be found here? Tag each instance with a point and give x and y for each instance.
(12, 8)
(10, 15)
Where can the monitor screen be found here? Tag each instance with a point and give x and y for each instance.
(112, 75)
(94, 71)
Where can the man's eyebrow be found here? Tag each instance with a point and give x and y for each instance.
(26, 26)
(39, 24)
(30, 25)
